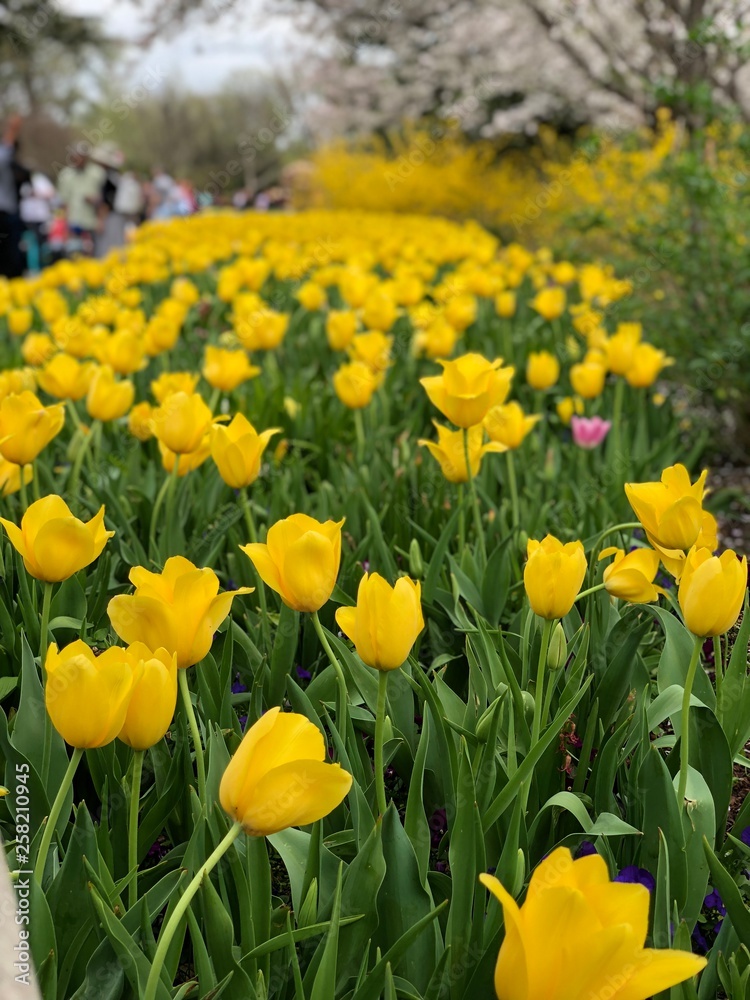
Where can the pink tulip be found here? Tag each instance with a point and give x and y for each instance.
(588, 432)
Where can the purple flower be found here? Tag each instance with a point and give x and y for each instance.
(585, 848)
(639, 876)
(699, 939)
(713, 901)
(745, 836)
(303, 674)
(238, 687)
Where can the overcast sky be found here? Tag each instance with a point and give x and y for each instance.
(203, 55)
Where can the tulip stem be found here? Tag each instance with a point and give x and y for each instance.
(536, 725)
(612, 530)
(83, 448)
(360, 430)
(35, 480)
(474, 499)
(333, 659)
(513, 487)
(591, 590)
(379, 733)
(461, 520)
(214, 401)
(135, 801)
(250, 522)
(170, 928)
(54, 815)
(46, 602)
(685, 720)
(156, 511)
(200, 763)
(24, 493)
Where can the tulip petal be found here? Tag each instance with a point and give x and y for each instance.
(208, 622)
(681, 523)
(266, 568)
(61, 547)
(144, 619)
(511, 970)
(295, 794)
(16, 537)
(346, 619)
(659, 970)
(309, 572)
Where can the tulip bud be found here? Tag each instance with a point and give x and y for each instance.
(485, 720)
(416, 566)
(558, 649)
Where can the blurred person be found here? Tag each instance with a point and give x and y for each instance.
(80, 188)
(110, 231)
(159, 189)
(130, 202)
(36, 212)
(11, 260)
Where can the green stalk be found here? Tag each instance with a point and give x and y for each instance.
(75, 473)
(718, 668)
(475, 500)
(341, 700)
(591, 590)
(536, 725)
(54, 815)
(685, 719)
(24, 493)
(170, 928)
(461, 519)
(135, 800)
(196, 734)
(214, 401)
(35, 480)
(513, 487)
(379, 733)
(46, 602)
(359, 427)
(250, 523)
(156, 511)
(616, 439)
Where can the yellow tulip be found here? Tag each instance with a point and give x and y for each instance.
(181, 422)
(386, 621)
(450, 451)
(542, 370)
(27, 427)
(712, 590)
(437, 339)
(178, 609)
(262, 330)
(549, 303)
(66, 378)
(355, 384)
(379, 311)
(107, 398)
(341, 325)
(508, 425)
(124, 351)
(154, 696)
(621, 347)
(188, 462)
(279, 776)
(671, 511)
(237, 450)
(37, 348)
(10, 477)
(569, 902)
(226, 370)
(505, 304)
(139, 421)
(646, 366)
(19, 321)
(53, 544)
(87, 696)
(311, 296)
(567, 407)
(631, 577)
(461, 311)
(168, 383)
(300, 560)
(468, 388)
(373, 348)
(553, 575)
(587, 379)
